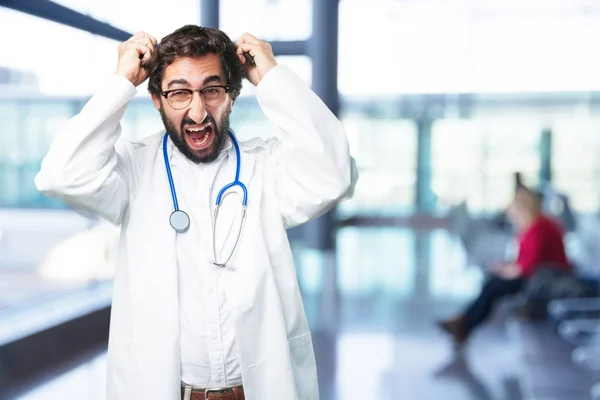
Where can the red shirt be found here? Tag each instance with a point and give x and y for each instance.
(541, 243)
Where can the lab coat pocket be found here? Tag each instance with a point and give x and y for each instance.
(304, 368)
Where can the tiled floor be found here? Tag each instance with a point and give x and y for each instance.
(374, 330)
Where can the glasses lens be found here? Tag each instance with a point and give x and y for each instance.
(179, 99)
(213, 95)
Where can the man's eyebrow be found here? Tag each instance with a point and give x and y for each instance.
(177, 82)
(212, 78)
(207, 80)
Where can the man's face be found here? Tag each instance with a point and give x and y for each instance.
(199, 130)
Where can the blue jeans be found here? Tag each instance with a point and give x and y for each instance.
(493, 290)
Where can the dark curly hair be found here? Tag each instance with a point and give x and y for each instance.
(195, 41)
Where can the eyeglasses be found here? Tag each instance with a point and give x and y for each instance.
(181, 98)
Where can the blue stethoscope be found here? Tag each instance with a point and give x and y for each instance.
(180, 220)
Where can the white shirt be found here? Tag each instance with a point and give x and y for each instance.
(209, 357)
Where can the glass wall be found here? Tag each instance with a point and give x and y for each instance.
(386, 156)
(576, 160)
(463, 46)
(475, 159)
(267, 19)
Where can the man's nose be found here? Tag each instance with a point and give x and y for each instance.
(197, 108)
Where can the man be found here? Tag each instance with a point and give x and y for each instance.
(540, 244)
(203, 301)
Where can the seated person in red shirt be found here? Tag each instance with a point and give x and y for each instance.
(540, 244)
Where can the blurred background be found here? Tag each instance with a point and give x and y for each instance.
(443, 102)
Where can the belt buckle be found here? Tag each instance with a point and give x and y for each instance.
(207, 391)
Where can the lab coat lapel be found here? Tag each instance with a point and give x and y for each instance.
(154, 289)
(246, 170)
(264, 357)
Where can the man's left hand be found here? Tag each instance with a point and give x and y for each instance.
(261, 54)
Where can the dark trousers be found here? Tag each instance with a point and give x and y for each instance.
(493, 290)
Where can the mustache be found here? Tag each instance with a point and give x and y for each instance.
(189, 121)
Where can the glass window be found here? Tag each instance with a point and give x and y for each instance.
(150, 16)
(406, 48)
(10, 155)
(42, 120)
(386, 156)
(576, 161)
(66, 61)
(476, 159)
(456, 161)
(247, 119)
(476, 46)
(511, 145)
(267, 19)
(141, 119)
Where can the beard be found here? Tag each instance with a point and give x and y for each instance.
(219, 130)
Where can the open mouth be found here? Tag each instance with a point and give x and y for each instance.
(199, 137)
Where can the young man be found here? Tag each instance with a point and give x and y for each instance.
(204, 301)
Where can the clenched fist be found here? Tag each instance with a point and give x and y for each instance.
(261, 58)
(132, 53)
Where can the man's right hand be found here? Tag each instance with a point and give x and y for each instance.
(132, 53)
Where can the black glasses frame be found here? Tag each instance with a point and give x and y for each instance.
(165, 94)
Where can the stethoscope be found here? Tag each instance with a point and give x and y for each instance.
(180, 220)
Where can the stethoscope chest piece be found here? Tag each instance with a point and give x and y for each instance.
(180, 221)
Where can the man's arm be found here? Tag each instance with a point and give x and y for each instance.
(85, 166)
(311, 165)
(312, 168)
(529, 257)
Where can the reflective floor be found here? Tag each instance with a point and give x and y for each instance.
(372, 317)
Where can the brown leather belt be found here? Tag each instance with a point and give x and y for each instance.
(233, 393)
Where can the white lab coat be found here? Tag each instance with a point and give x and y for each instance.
(289, 181)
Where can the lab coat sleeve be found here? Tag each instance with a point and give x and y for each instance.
(311, 164)
(87, 166)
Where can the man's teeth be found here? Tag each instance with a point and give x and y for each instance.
(196, 129)
(198, 135)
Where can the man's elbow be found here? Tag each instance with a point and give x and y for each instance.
(347, 182)
(51, 182)
(47, 184)
(56, 182)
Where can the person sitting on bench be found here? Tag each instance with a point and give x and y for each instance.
(540, 243)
